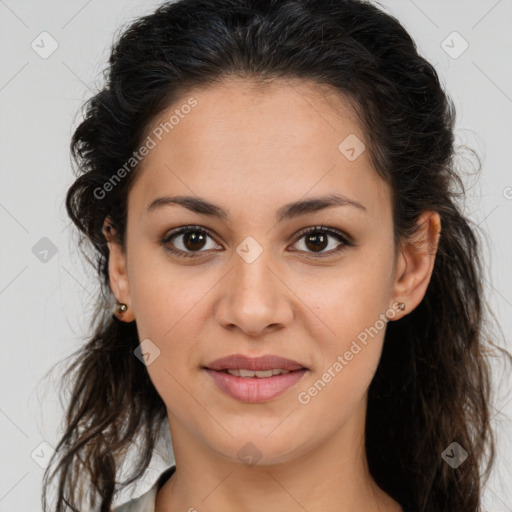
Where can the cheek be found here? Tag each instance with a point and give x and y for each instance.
(347, 360)
(349, 300)
(350, 306)
(171, 310)
(162, 292)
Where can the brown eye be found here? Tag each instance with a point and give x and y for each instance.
(186, 241)
(317, 239)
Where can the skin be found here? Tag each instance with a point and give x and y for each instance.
(251, 151)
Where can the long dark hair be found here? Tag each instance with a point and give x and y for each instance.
(432, 386)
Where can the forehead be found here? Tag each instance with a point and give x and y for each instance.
(245, 138)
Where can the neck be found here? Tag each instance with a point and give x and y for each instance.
(332, 476)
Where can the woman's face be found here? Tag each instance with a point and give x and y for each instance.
(253, 282)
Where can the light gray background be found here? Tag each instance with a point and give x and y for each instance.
(44, 304)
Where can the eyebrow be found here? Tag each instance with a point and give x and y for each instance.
(288, 211)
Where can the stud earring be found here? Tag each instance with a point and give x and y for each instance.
(401, 306)
(121, 308)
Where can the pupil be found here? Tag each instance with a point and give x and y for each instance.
(316, 245)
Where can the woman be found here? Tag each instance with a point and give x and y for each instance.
(270, 193)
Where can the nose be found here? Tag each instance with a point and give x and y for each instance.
(254, 298)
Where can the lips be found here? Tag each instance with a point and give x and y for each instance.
(254, 389)
(262, 363)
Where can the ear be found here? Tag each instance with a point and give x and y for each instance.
(415, 263)
(117, 270)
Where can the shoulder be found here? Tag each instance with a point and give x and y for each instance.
(146, 502)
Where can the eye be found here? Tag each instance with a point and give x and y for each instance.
(192, 239)
(316, 239)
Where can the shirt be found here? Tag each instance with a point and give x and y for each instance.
(146, 502)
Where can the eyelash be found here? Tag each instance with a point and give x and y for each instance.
(345, 241)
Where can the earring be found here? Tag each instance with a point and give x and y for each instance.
(392, 313)
(121, 308)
